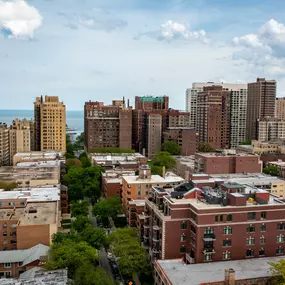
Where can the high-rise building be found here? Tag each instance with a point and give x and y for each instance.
(150, 103)
(154, 129)
(280, 108)
(50, 124)
(213, 116)
(107, 126)
(260, 104)
(19, 137)
(270, 129)
(4, 145)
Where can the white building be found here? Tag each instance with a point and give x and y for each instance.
(238, 107)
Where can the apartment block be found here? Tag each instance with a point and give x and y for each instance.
(213, 116)
(153, 134)
(150, 103)
(15, 262)
(20, 137)
(4, 145)
(137, 187)
(231, 222)
(50, 124)
(28, 217)
(186, 138)
(270, 129)
(260, 104)
(107, 126)
(135, 215)
(280, 109)
(221, 163)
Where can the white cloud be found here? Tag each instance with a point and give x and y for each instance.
(171, 30)
(18, 19)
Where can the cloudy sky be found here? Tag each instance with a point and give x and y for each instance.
(105, 49)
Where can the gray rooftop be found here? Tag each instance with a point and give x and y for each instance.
(195, 274)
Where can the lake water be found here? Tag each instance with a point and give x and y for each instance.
(74, 119)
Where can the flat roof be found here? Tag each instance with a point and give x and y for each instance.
(113, 180)
(180, 274)
(277, 163)
(218, 154)
(137, 202)
(39, 154)
(46, 163)
(171, 178)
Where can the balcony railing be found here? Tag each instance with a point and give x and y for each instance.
(155, 238)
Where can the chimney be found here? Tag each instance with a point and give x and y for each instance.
(163, 171)
(230, 277)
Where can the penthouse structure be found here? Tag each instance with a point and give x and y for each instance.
(150, 103)
(50, 124)
(227, 162)
(107, 126)
(29, 217)
(208, 225)
(260, 104)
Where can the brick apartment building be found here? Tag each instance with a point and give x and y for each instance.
(107, 126)
(4, 145)
(150, 103)
(229, 223)
(223, 163)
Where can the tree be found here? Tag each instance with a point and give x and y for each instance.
(163, 158)
(171, 147)
(73, 162)
(246, 142)
(61, 237)
(106, 208)
(155, 169)
(79, 142)
(278, 271)
(80, 223)
(69, 148)
(85, 160)
(272, 170)
(205, 147)
(80, 208)
(96, 237)
(8, 186)
(86, 275)
(70, 254)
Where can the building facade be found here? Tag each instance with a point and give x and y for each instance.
(260, 104)
(50, 124)
(150, 103)
(280, 109)
(4, 145)
(270, 129)
(107, 126)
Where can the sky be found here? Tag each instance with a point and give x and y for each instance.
(83, 50)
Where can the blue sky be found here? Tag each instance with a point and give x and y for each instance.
(103, 50)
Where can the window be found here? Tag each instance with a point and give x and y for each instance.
(281, 227)
(250, 240)
(262, 240)
(13, 234)
(227, 242)
(208, 256)
(12, 203)
(221, 218)
(227, 255)
(280, 238)
(228, 230)
(20, 264)
(251, 216)
(280, 250)
(250, 229)
(263, 215)
(193, 229)
(4, 234)
(263, 228)
(182, 249)
(208, 231)
(4, 226)
(183, 237)
(249, 253)
(229, 217)
(183, 225)
(193, 216)
(216, 219)
(262, 252)
(7, 265)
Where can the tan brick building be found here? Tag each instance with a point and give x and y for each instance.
(4, 145)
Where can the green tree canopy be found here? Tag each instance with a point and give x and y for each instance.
(96, 237)
(85, 160)
(73, 162)
(79, 142)
(205, 147)
(278, 272)
(86, 275)
(70, 254)
(163, 158)
(80, 208)
(171, 147)
(109, 207)
(6, 186)
(271, 170)
(246, 142)
(80, 223)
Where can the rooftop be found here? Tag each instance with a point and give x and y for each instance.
(48, 163)
(277, 163)
(180, 274)
(137, 202)
(218, 154)
(39, 154)
(169, 178)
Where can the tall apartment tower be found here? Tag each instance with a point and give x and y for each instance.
(19, 137)
(107, 126)
(238, 108)
(280, 108)
(150, 103)
(50, 124)
(260, 104)
(154, 133)
(4, 145)
(213, 116)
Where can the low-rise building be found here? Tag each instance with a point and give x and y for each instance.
(29, 217)
(138, 186)
(239, 272)
(15, 262)
(232, 222)
(118, 160)
(263, 147)
(222, 163)
(185, 165)
(281, 166)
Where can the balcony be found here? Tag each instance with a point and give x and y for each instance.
(146, 226)
(156, 228)
(156, 238)
(209, 237)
